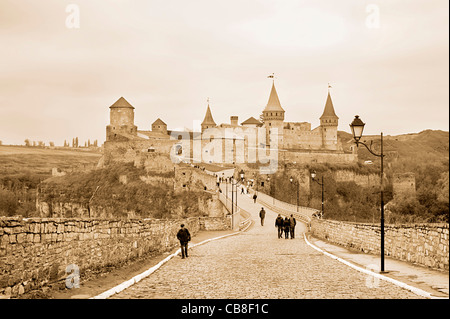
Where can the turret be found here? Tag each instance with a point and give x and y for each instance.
(273, 115)
(329, 125)
(208, 121)
(159, 126)
(121, 119)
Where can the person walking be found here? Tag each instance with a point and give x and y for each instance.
(254, 198)
(279, 222)
(262, 215)
(184, 237)
(292, 223)
(286, 226)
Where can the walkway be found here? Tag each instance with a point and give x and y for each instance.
(256, 264)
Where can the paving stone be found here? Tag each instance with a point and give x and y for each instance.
(258, 265)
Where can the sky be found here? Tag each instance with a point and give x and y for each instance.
(63, 63)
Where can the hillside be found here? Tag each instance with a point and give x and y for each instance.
(21, 160)
(23, 168)
(430, 146)
(106, 191)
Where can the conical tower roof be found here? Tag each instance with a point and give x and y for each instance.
(121, 103)
(159, 122)
(251, 120)
(328, 112)
(274, 103)
(208, 120)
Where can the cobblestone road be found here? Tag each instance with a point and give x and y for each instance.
(256, 264)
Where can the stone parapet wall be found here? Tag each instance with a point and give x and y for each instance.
(37, 251)
(424, 244)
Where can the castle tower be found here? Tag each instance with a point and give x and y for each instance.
(121, 120)
(329, 125)
(208, 121)
(273, 116)
(159, 126)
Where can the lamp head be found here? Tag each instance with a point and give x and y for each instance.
(357, 127)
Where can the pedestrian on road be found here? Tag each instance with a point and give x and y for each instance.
(242, 190)
(292, 223)
(279, 222)
(262, 215)
(286, 226)
(254, 198)
(184, 237)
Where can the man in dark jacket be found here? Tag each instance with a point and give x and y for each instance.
(293, 222)
(262, 215)
(279, 223)
(184, 237)
(286, 225)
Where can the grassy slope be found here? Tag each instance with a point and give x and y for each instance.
(20, 160)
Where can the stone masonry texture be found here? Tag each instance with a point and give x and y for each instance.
(36, 251)
(424, 244)
(256, 264)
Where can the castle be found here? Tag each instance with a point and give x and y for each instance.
(247, 142)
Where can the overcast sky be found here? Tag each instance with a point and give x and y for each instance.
(167, 57)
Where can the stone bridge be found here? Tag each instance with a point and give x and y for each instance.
(251, 262)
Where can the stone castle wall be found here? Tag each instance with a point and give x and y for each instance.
(191, 178)
(365, 180)
(35, 252)
(306, 156)
(424, 244)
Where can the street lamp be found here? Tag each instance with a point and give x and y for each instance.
(357, 127)
(297, 185)
(313, 177)
(234, 185)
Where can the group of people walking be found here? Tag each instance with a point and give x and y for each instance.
(287, 225)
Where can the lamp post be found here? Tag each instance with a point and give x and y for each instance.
(313, 177)
(357, 127)
(297, 185)
(234, 184)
